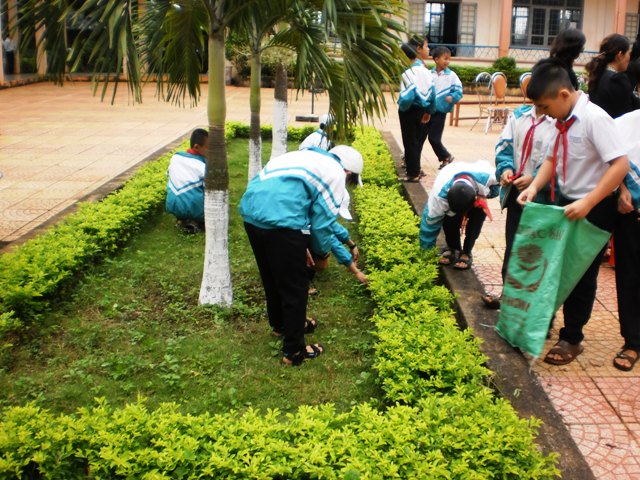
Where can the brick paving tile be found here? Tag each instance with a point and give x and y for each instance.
(623, 393)
(610, 450)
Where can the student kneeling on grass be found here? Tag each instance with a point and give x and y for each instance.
(460, 192)
(295, 198)
(185, 187)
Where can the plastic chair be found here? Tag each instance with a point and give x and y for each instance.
(524, 83)
(497, 112)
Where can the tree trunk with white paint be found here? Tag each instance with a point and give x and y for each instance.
(216, 279)
(280, 112)
(216, 288)
(255, 137)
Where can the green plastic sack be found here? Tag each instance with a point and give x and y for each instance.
(549, 256)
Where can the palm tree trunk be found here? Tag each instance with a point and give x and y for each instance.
(216, 279)
(280, 107)
(255, 139)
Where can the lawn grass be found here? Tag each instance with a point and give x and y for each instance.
(131, 327)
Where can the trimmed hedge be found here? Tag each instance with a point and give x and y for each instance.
(442, 421)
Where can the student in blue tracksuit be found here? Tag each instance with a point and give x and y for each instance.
(185, 187)
(460, 190)
(626, 241)
(415, 104)
(448, 92)
(319, 138)
(294, 201)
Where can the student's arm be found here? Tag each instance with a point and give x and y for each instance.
(505, 165)
(431, 222)
(616, 172)
(542, 178)
(456, 89)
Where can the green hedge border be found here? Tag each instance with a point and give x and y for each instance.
(442, 420)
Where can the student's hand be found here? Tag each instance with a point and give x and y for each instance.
(355, 254)
(527, 195)
(310, 262)
(448, 99)
(625, 203)
(507, 177)
(362, 278)
(578, 209)
(522, 182)
(425, 118)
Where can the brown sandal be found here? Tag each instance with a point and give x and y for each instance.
(565, 350)
(621, 355)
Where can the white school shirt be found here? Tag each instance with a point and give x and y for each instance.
(516, 131)
(593, 142)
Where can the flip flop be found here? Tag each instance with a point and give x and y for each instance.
(466, 262)
(565, 350)
(629, 358)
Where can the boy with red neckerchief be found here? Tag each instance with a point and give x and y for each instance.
(587, 161)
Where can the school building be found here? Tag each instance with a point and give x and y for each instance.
(484, 30)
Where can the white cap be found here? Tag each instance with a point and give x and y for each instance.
(344, 207)
(350, 158)
(325, 119)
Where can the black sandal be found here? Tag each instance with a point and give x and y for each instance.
(445, 161)
(447, 255)
(466, 262)
(490, 301)
(408, 179)
(296, 359)
(621, 355)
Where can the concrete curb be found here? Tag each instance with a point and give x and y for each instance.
(512, 377)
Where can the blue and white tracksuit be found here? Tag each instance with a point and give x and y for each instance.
(446, 83)
(185, 187)
(300, 190)
(483, 177)
(416, 98)
(318, 139)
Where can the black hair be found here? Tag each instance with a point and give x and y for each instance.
(439, 51)
(352, 179)
(461, 197)
(568, 45)
(198, 137)
(610, 46)
(417, 41)
(548, 76)
(409, 51)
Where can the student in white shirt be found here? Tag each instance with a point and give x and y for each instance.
(588, 162)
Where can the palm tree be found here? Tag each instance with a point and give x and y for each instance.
(168, 37)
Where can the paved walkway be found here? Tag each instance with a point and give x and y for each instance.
(59, 144)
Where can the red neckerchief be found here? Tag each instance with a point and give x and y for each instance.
(563, 128)
(193, 152)
(527, 145)
(480, 202)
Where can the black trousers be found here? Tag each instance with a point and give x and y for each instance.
(10, 59)
(451, 228)
(514, 213)
(626, 245)
(435, 127)
(579, 304)
(413, 137)
(281, 255)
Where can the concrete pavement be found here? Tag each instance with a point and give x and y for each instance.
(60, 145)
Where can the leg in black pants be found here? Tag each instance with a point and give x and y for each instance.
(472, 229)
(626, 241)
(436, 127)
(411, 129)
(578, 305)
(514, 212)
(451, 229)
(281, 256)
